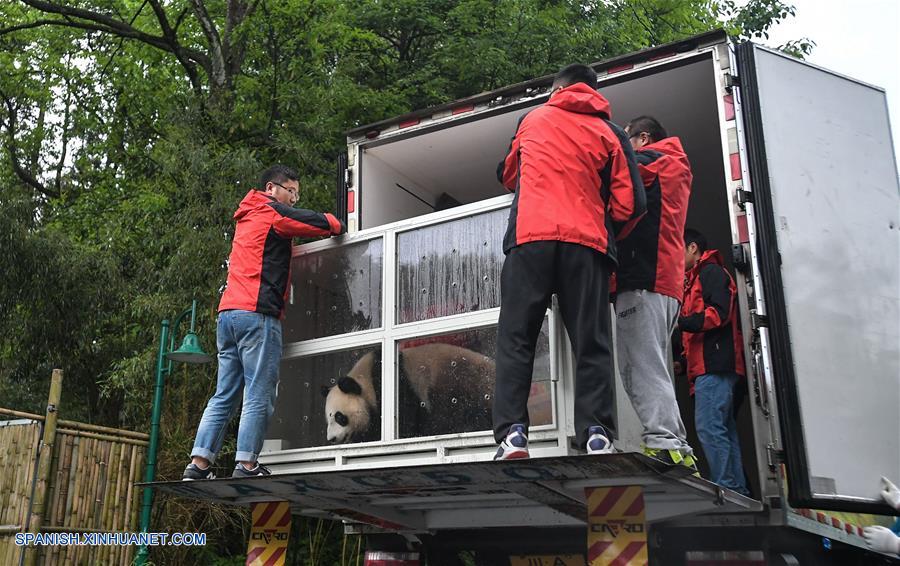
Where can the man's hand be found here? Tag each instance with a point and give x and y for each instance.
(882, 539)
(343, 227)
(890, 493)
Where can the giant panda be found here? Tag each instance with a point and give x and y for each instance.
(443, 389)
(351, 405)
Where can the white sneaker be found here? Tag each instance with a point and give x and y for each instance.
(598, 441)
(514, 446)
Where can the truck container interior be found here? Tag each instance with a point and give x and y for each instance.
(403, 176)
(429, 169)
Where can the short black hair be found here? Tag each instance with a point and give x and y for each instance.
(277, 174)
(647, 124)
(692, 236)
(575, 73)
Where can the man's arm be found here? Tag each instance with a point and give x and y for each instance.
(628, 199)
(302, 223)
(647, 173)
(508, 169)
(717, 299)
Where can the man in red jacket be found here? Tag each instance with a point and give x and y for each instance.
(248, 334)
(649, 287)
(714, 350)
(575, 180)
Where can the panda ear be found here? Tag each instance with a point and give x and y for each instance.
(325, 390)
(349, 386)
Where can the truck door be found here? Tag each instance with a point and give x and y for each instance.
(340, 193)
(825, 206)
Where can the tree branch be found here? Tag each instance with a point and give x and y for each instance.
(65, 136)
(275, 54)
(95, 21)
(20, 171)
(177, 49)
(106, 23)
(644, 25)
(236, 12)
(180, 18)
(217, 73)
(63, 22)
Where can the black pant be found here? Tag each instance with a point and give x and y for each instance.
(579, 276)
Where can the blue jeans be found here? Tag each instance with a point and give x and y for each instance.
(717, 429)
(249, 345)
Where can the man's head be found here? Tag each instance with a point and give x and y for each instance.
(694, 246)
(574, 73)
(281, 183)
(645, 130)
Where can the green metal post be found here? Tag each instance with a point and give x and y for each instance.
(150, 474)
(193, 313)
(173, 334)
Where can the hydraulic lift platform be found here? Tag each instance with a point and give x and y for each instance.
(537, 492)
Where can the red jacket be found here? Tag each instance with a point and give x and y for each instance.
(709, 325)
(259, 268)
(573, 173)
(652, 256)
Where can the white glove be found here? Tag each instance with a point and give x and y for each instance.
(890, 493)
(882, 539)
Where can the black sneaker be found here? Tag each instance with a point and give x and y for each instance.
(195, 472)
(241, 472)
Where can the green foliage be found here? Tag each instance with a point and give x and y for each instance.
(131, 129)
(753, 19)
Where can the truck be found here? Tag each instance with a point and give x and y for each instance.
(794, 181)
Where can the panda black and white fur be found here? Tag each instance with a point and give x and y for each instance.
(443, 388)
(351, 405)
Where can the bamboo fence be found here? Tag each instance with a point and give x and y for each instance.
(89, 487)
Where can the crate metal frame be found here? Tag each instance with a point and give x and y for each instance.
(545, 440)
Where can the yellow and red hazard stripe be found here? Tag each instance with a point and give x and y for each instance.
(617, 535)
(271, 527)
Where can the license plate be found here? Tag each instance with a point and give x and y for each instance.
(548, 560)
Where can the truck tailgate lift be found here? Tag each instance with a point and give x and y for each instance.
(544, 492)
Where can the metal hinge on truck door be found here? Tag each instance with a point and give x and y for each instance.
(774, 457)
(758, 321)
(732, 81)
(760, 391)
(740, 258)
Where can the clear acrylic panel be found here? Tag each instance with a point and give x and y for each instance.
(335, 291)
(318, 405)
(446, 383)
(450, 268)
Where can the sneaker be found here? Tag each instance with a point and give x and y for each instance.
(241, 472)
(195, 472)
(598, 441)
(514, 446)
(691, 462)
(673, 458)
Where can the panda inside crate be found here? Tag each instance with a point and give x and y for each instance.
(443, 389)
(440, 385)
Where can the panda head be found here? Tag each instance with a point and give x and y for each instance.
(348, 413)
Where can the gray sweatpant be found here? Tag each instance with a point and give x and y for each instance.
(644, 325)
